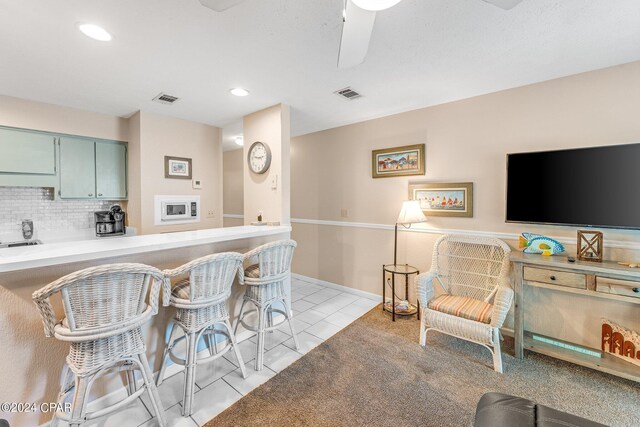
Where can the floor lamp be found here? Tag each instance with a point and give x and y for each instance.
(411, 213)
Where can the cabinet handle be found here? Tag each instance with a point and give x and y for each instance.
(636, 290)
(552, 277)
(90, 194)
(99, 194)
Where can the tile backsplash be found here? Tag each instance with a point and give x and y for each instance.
(47, 213)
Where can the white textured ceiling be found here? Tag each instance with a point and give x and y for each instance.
(423, 52)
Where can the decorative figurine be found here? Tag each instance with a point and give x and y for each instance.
(621, 342)
(590, 245)
(537, 244)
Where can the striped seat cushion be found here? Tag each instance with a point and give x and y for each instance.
(182, 290)
(252, 271)
(468, 308)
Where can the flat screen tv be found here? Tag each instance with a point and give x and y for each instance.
(598, 187)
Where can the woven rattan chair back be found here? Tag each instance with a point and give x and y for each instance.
(107, 298)
(273, 259)
(470, 266)
(211, 277)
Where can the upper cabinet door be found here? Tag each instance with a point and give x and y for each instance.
(25, 152)
(111, 170)
(77, 168)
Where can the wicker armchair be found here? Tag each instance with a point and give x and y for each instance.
(264, 279)
(104, 309)
(474, 273)
(201, 304)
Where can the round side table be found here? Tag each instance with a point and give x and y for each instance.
(398, 269)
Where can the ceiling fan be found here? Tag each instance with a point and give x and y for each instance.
(358, 18)
(220, 5)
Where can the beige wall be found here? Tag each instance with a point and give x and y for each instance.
(233, 194)
(22, 113)
(465, 141)
(161, 136)
(233, 187)
(134, 173)
(271, 126)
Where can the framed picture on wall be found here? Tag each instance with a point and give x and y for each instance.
(177, 167)
(444, 199)
(398, 161)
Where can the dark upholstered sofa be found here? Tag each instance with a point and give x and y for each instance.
(502, 410)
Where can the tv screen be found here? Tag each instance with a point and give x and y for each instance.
(597, 187)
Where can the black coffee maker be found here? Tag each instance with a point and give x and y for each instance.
(111, 222)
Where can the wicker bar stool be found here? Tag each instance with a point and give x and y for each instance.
(104, 309)
(264, 280)
(200, 301)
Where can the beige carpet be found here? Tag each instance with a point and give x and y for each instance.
(374, 373)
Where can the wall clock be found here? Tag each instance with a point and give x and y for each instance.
(259, 157)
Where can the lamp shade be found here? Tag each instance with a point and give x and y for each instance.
(411, 213)
(375, 5)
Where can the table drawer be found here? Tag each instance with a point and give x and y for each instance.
(552, 277)
(627, 288)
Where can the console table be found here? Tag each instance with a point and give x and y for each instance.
(605, 279)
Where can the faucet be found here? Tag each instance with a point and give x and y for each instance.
(27, 229)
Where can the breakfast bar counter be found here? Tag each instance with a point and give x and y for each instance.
(31, 366)
(49, 254)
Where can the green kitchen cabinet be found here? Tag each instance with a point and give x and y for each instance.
(77, 168)
(27, 152)
(91, 169)
(111, 170)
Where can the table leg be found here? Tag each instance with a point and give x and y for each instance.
(417, 299)
(406, 287)
(384, 288)
(393, 297)
(518, 324)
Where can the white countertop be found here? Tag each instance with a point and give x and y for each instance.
(26, 257)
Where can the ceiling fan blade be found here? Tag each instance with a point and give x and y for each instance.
(504, 4)
(220, 5)
(356, 33)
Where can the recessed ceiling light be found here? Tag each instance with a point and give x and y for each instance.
(238, 91)
(375, 5)
(95, 32)
(239, 141)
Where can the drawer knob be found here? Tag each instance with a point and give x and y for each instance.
(636, 290)
(552, 277)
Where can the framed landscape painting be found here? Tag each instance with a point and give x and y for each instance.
(447, 199)
(398, 161)
(177, 167)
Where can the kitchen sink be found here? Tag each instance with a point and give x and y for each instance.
(19, 244)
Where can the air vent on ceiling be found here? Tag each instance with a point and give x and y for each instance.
(348, 93)
(163, 98)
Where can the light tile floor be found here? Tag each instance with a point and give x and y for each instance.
(319, 312)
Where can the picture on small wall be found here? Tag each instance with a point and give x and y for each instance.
(444, 199)
(398, 161)
(177, 167)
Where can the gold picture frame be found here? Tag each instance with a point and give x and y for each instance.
(398, 161)
(177, 167)
(444, 199)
